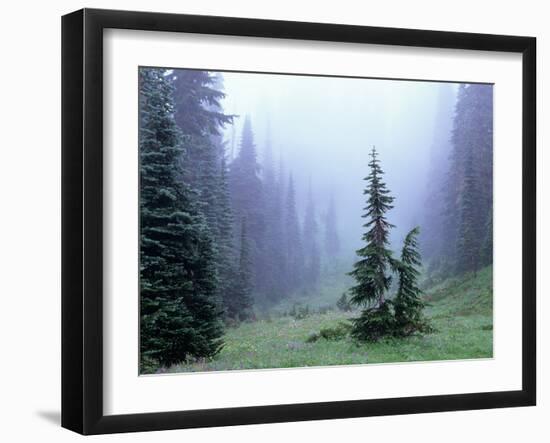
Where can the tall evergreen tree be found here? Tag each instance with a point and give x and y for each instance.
(311, 248)
(371, 271)
(240, 303)
(200, 117)
(179, 312)
(432, 237)
(248, 200)
(408, 304)
(225, 241)
(274, 243)
(206, 172)
(470, 232)
(197, 103)
(294, 247)
(469, 189)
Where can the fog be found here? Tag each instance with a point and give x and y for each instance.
(324, 128)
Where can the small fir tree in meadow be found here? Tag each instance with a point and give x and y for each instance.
(372, 271)
(375, 258)
(408, 304)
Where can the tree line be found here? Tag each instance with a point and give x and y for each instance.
(217, 234)
(458, 234)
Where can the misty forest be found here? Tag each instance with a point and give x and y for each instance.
(292, 221)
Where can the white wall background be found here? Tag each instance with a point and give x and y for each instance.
(30, 219)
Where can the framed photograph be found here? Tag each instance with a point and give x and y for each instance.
(269, 221)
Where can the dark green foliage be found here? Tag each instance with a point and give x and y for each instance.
(374, 323)
(197, 103)
(403, 315)
(239, 303)
(226, 257)
(343, 303)
(198, 114)
(375, 258)
(408, 304)
(371, 272)
(199, 117)
(339, 332)
(381, 318)
(180, 316)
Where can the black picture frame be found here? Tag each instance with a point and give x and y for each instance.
(82, 215)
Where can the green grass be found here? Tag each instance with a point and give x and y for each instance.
(460, 311)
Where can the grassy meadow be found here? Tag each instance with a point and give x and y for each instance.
(460, 311)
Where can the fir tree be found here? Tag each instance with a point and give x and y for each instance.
(469, 187)
(248, 200)
(200, 118)
(206, 171)
(239, 306)
(470, 231)
(197, 98)
(311, 248)
(225, 241)
(371, 271)
(407, 304)
(274, 244)
(432, 237)
(179, 312)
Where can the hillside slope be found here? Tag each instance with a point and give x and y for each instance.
(460, 310)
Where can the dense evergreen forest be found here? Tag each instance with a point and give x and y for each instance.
(227, 233)
(458, 224)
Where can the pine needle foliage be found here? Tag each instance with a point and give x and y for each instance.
(371, 271)
(239, 303)
(180, 317)
(374, 323)
(408, 304)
